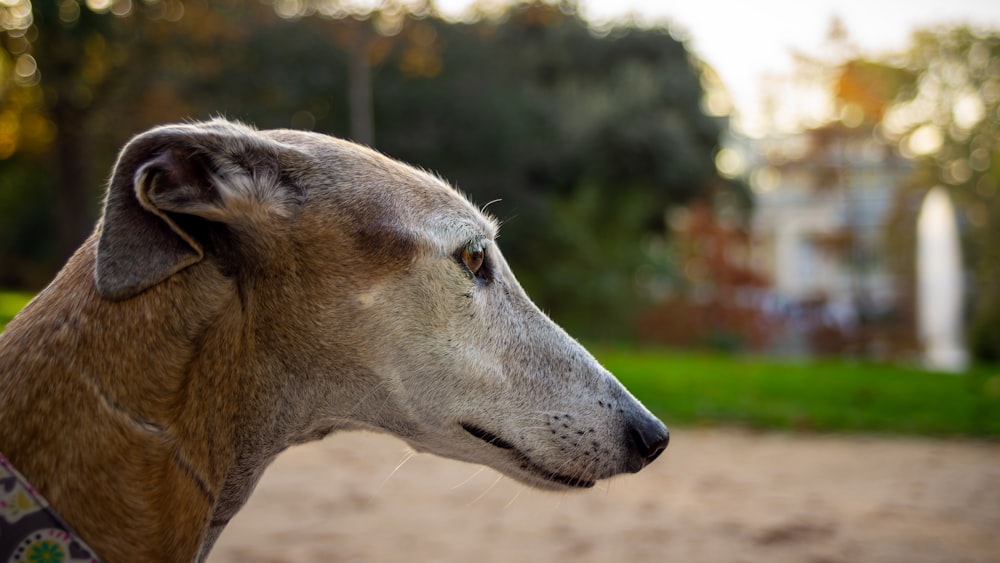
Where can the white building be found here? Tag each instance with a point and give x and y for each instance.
(823, 198)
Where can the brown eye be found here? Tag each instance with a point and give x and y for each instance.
(472, 256)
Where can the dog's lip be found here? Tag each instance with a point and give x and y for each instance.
(524, 462)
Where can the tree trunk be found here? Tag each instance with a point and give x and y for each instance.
(74, 206)
(359, 95)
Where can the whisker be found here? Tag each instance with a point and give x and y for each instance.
(517, 494)
(485, 207)
(407, 456)
(606, 485)
(470, 477)
(488, 489)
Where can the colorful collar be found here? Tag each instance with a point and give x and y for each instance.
(30, 530)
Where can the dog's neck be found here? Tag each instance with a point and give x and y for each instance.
(163, 445)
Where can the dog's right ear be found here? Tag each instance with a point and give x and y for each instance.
(162, 180)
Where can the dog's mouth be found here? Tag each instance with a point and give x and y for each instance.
(524, 462)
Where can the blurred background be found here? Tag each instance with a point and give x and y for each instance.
(731, 180)
(758, 215)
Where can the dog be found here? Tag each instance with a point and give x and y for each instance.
(245, 291)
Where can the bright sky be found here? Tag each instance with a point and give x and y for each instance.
(745, 41)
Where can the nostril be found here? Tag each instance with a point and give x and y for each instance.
(649, 438)
(658, 447)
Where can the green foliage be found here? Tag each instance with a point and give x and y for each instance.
(10, 303)
(557, 108)
(584, 259)
(823, 396)
(585, 139)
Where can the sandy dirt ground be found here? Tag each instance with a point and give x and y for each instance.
(717, 495)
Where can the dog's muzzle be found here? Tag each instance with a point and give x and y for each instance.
(644, 438)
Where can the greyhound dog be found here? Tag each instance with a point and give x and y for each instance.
(245, 291)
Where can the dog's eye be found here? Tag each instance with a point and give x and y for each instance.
(473, 256)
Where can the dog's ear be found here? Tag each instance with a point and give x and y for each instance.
(167, 182)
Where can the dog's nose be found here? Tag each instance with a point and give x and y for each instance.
(649, 437)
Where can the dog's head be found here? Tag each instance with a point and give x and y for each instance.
(378, 295)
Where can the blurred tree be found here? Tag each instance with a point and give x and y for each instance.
(940, 101)
(587, 138)
(951, 126)
(78, 78)
(25, 135)
(74, 49)
(865, 89)
(70, 58)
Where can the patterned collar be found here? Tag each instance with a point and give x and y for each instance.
(30, 530)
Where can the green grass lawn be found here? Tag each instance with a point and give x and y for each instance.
(835, 396)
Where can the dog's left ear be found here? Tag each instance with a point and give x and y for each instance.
(167, 183)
